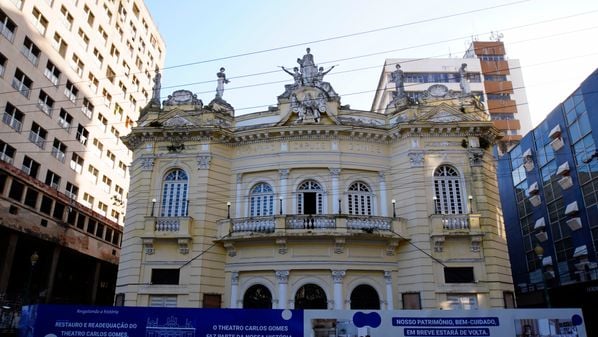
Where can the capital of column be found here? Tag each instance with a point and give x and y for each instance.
(282, 276)
(388, 276)
(284, 173)
(338, 275)
(382, 176)
(239, 178)
(234, 278)
(335, 172)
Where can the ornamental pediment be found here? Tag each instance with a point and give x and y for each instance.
(178, 121)
(309, 105)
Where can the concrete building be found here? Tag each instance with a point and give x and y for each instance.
(548, 187)
(494, 78)
(73, 75)
(311, 204)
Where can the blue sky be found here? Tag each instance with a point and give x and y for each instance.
(556, 55)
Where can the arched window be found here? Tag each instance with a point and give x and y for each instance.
(448, 194)
(257, 297)
(364, 297)
(261, 200)
(309, 198)
(174, 194)
(311, 296)
(359, 199)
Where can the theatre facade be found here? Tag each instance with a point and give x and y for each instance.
(314, 205)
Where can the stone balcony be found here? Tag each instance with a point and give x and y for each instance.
(445, 226)
(315, 225)
(175, 228)
(338, 227)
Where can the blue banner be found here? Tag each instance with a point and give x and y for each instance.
(79, 321)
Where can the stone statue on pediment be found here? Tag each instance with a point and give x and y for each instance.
(309, 75)
(308, 67)
(156, 88)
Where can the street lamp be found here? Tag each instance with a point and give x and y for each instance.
(435, 199)
(339, 207)
(153, 206)
(280, 205)
(228, 209)
(540, 253)
(470, 200)
(394, 209)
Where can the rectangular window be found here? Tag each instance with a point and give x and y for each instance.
(165, 276)
(120, 191)
(102, 208)
(99, 57)
(115, 216)
(77, 65)
(76, 163)
(108, 234)
(411, 301)
(45, 103)
(30, 51)
(88, 200)
(13, 117)
(81, 221)
(110, 74)
(90, 17)
(52, 73)
(58, 150)
(16, 191)
(65, 119)
(7, 152)
(93, 173)
(70, 91)
(462, 301)
(67, 18)
(22, 83)
(37, 135)
(52, 179)
(91, 226)
(83, 39)
(163, 301)
(100, 230)
(30, 167)
(106, 184)
(71, 191)
(103, 120)
(212, 300)
(58, 210)
(102, 32)
(46, 205)
(122, 169)
(98, 148)
(39, 21)
(7, 26)
(59, 44)
(87, 108)
(111, 158)
(82, 134)
(31, 198)
(93, 82)
(458, 275)
(3, 60)
(115, 132)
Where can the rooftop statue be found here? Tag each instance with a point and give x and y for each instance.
(308, 67)
(464, 80)
(398, 78)
(157, 86)
(221, 81)
(296, 75)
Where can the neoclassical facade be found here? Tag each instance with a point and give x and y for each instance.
(313, 205)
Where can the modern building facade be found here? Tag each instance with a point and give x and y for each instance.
(548, 186)
(494, 78)
(73, 75)
(313, 205)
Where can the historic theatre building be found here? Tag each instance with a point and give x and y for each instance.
(314, 205)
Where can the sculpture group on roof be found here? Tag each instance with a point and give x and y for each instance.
(308, 75)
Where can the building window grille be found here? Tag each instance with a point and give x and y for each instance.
(37, 135)
(448, 191)
(174, 194)
(261, 200)
(13, 117)
(359, 199)
(7, 152)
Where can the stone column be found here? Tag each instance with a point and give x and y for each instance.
(6, 265)
(283, 280)
(52, 274)
(389, 297)
(337, 278)
(334, 175)
(383, 201)
(283, 182)
(234, 289)
(239, 196)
